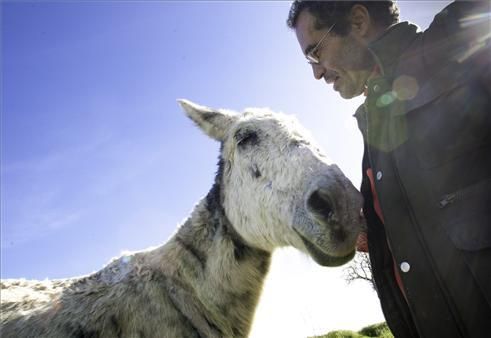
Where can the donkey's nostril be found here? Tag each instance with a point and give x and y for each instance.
(319, 203)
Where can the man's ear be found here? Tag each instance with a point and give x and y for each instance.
(361, 22)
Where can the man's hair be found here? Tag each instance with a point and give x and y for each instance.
(326, 13)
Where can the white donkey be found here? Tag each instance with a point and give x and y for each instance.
(273, 188)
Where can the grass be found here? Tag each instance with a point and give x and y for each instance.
(380, 330)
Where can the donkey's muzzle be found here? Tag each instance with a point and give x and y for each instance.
(327, 220)
(319, 204)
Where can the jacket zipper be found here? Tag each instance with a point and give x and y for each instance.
(446, 200)
(461, 194)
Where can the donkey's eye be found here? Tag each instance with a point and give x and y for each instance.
(298, 143)
(247, 138)
(295, 143)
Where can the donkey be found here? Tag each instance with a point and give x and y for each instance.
(273, 188)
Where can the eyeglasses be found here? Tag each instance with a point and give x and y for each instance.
(311, 56)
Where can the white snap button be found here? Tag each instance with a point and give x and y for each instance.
(376, 88)
(379, 175)
(405, 267)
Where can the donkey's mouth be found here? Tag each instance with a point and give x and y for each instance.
(323, 258)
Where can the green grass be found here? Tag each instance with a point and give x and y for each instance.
(380, 330)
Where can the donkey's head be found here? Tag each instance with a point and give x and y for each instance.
(278, 188)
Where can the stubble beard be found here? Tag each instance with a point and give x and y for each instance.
(358, 64)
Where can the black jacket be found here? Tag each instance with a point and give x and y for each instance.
(426, 124)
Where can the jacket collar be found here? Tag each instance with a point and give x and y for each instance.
(388, 47)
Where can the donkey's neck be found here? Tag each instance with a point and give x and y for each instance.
(224, 272)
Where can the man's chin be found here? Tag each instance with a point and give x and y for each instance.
(348, 94)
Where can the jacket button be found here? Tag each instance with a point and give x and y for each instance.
(405, 267)
(379, 175)
(376, 88)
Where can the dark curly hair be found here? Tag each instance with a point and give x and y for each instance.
(326, 13)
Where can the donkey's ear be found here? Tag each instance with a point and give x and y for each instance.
(215, 123)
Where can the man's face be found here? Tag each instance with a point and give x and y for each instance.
(343, 61)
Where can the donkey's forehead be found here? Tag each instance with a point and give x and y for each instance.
(267, 120)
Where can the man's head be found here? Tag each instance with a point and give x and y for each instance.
(334, 35)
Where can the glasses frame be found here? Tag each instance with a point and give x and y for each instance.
(310, 56)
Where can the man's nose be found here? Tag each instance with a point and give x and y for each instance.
(318, 71)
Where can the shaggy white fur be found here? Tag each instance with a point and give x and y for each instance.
(274, 187)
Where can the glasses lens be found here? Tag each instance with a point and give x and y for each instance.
(312, 59)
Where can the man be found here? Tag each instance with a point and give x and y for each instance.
(426, 125)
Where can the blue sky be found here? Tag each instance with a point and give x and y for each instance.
(96, 155)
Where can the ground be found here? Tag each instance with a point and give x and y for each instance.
(380, 330)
